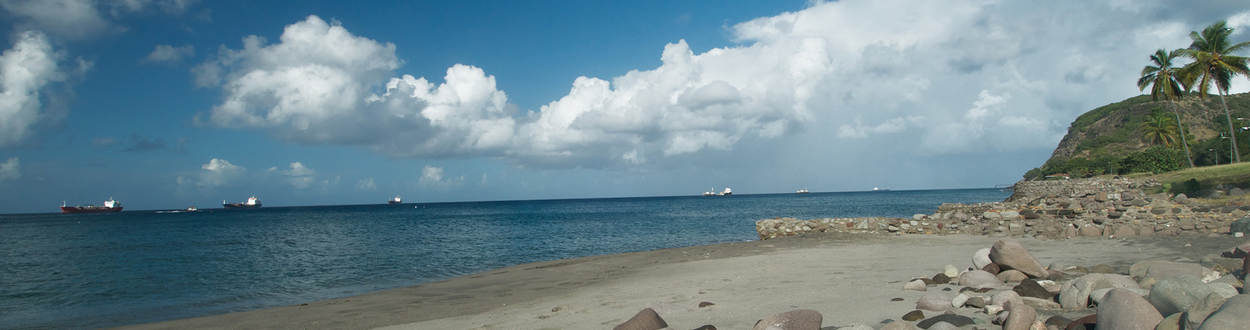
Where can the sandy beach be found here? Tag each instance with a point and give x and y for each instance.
(849, 278)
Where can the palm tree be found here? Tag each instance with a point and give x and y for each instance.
(1214, 63)
(1159, 128)
(1163, 82)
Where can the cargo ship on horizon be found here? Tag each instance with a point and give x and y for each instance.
(109, 206)
(395, 201)
(251, 203)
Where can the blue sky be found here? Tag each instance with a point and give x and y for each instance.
(171, 103)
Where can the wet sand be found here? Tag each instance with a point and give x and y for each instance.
(849, 278)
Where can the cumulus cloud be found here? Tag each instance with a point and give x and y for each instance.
(366, 184)
(217, 172)
(26, 72)
(956, 77)
(433, 176)
(83, 19)
(10, 169)
(297, 175)
(169, 54)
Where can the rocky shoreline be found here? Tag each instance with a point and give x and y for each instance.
(1055, 209)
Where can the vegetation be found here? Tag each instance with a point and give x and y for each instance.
(1214, 63)
(1163, 82)
(1160, 128)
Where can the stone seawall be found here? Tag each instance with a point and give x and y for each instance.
(1095, 207)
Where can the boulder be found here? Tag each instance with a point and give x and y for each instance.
(1203, 308)
(1019, 317)
(1011, 275)
(953, 319)
(950, 271)
(942, 326)
(1097, 295)
(941, 278)
(915, 285)
(991, 268)
(981, 258)
(914, 315)
(1122, 309)
(898, 325)
(1172, 322)
(1150, 272)
(647, 319)
(799, 319)
(1084, 322)
(975, 302)
(1009, 254)
(1175, 295)
(934, 302)
(1004, 297)
(1057, 321)
(1075, 294)
(1042, 304)
(1240, 226)
(1223, 289)
(1102, 268)
(1030, 288)
(979, 279)
(1231, 315)
(959, 300)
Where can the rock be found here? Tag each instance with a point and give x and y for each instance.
(1075, 294)
(955, 320)
(993, 310)
(1225, 290)
(1057, 321)
(1203, 308)
(975, 302)
(799, 319)
(896, 299)
(1011, 255)
(942, 326)
(647, 319)
(959, 300)
(705, 304)
(1097, 295)
(1030, 288)
(1150, 272)
(1175, 295)
(981, 258)
(914, 315)
(1051, 286)
(934, 302)
(860, 326)
(898, 325)
(1019, 317)
(950, 271)
(1011, 275)
(991, 268)
(979, 279)
(1004, 297)
(1122, 309)
(1102, 268)
(1238, 252)
(1039, 303)
(1172, 322)
(1085, 322)
(915, 285)
(1240, 226)
(1090, 231)
(941, 278)
(1231, 315)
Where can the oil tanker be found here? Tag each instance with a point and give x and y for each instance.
(108, 207)
(251, 203)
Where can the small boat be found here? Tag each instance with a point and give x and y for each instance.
(710, 192)
(727, 192)
(395, 201)
(251, 203)
(191, 209)
(108, 207)
(801, 191)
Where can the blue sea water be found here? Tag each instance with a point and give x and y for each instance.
(100, 270)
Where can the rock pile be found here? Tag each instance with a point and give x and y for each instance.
(1094, 207)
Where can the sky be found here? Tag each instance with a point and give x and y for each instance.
(171, 103)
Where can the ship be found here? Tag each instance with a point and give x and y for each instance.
(801, 191)
(727, 192)
(108, 207)
(251, 203)
(710, 192)
(395, 201)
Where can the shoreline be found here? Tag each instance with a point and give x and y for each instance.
(743, 280)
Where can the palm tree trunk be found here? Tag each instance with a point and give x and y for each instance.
(1181, 127)
(1231, 132)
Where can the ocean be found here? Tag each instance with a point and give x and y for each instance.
(101, 270)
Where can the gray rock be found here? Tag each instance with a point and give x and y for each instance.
(942, 326)
(934, 302)
(647, 319)
(1098, 294)
(959, 300)
(1019, 317)
(1010, 254)
(979, 279)
(981, 258)
(1231, 315)
(799, 319)
(915, 285)
(914, 315)
(1240, 226)
(853, 327)
(1124, 310)
(1172, 322)
(950, 271)
(1203, 308)
(1224, 289)
(898, 325)
(1039, 303)
(1030, 288)
(952, 319)
(1150, 272)
(1005, 297)
(1011, 275)
(1175, 295)
(1075, 294)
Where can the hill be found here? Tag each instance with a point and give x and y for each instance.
(1109, 140)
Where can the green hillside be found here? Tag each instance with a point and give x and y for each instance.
(1110, 140)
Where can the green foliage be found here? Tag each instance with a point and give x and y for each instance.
(1156, 160)
(1160, 129)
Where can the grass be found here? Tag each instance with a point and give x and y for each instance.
(1207, 179)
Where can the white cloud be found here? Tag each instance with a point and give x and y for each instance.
(297, 175)
(433, 176)
(217, 172)
(169, 54)
(956, 77)
(72, 19)
(26, 70)
(10, 169)
(366, 184)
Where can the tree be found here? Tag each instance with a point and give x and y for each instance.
(1214, 63)
(1159, 128)
(1164, 83)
